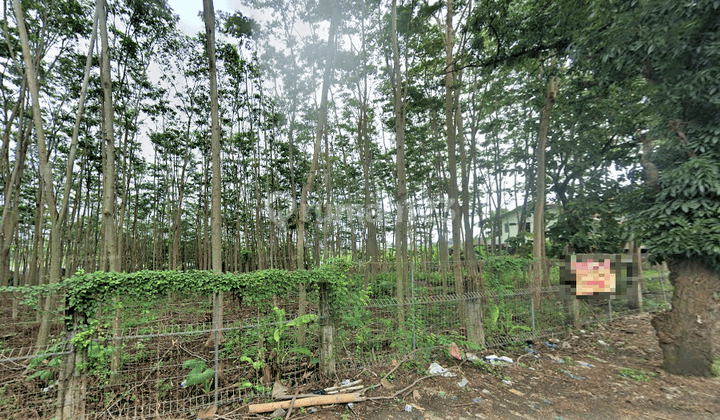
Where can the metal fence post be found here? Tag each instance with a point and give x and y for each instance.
(532, 311)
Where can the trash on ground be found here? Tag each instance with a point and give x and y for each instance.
(530, 350)
(516, 392)
(580, 378)
(551, 345)
(462, 383)
(603, 343)
(408, 408)
(455, 351)
(587, 365)
(494, 360)
(553, 340)
(345, 385)
(557, 359)
(436, 369)
(485, 391)
(471, 357)
(477, 400)
(506, 382)
(548, 402)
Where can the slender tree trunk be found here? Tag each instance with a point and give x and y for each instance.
(322, 122)
(401, 198)
(109, 182)
(216, 222)
(539, 216)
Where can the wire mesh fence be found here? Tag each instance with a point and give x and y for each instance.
(162, 358)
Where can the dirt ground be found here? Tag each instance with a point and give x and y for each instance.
(610, 372)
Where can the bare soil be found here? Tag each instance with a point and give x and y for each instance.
(611, 372)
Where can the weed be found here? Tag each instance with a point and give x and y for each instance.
(637, 374)
(199, 374)
(715, 368)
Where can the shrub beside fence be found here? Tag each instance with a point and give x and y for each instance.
(167, 367)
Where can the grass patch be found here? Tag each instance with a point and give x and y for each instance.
(638, 375)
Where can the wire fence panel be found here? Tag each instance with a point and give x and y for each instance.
(166, 353)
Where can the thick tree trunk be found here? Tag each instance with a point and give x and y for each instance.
(688, 333)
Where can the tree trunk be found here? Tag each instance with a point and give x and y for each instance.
(45, 174)
(215, 216)
(688, 333)
(322, 122)
(401, 199)
(109, 183)
(539, 216)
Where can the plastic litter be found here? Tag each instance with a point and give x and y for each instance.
(476, 400)
(603, 343)
(579, 378)
(548, 402)
(345, 382)
(455, 351)
(494, 360)
(436, 369)
(351, 405)
(530, 350)
(587, 365)
(506, 382)
(183, 384)
(408, 408)
(462, 383)
(471, 357)
(551, 345)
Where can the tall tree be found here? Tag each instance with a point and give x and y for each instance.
(676, 213)
(216, 211)
(401, 222)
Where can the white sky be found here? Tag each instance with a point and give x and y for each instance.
(191, 23)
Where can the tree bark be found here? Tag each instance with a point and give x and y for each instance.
(688, 333)
(109, 183)
(216, 215)
(401, 199)
(539, 215)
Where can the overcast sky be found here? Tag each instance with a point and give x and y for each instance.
(191, 23)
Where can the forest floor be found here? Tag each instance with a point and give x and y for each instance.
(611, 372)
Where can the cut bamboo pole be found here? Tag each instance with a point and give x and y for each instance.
(307, 402)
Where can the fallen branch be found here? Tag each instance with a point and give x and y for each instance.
(292, 405)
(402, 391)
(307, 402)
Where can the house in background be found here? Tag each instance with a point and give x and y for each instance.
(510, 225)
